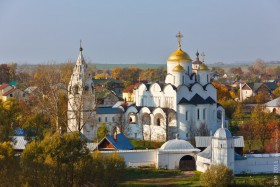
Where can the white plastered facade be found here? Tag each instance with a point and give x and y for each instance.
(186, 94)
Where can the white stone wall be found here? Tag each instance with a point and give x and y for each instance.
(258, 164)
(136, 158)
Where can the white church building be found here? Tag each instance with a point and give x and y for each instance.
(184, 101)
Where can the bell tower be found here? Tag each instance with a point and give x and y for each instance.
(81, 100)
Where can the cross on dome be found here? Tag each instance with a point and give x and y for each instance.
(179, 36)
(203, 56)
(81, 49)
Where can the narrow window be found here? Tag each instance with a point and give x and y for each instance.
(197, 114)
(158, 122)
(105, 119)
(99, 119)
(187, 116)
(204, 113)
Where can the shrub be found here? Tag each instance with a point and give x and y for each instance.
(217, 176)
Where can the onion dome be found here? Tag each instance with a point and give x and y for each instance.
(176, 144)
(203, 67)
(179, 55)
(197, 61)
(178, 68)
(222, 133)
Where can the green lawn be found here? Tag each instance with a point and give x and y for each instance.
(150, 177)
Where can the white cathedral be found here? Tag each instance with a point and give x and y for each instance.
(183, 102)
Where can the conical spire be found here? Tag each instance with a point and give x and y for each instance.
(80, 59)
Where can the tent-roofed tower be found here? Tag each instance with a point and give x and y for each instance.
(81, 100)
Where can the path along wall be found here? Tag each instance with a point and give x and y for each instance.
(258, 163)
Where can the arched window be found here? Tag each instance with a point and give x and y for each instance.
(158, 122)
(86, 88)
(76, 89)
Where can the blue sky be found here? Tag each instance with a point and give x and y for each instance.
(126, 31)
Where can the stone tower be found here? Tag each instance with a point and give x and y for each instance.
(81, 100)
(223, 147)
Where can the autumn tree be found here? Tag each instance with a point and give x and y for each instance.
(276, 92)
(9, 170)
(236, 71)
(258, 68)
(102, 131)
(9, 119)
(239, 112)
(50, 97)
(247, 130)
(7, 72)
(56, 161)
(116, 72)
(273, 145)
(260, 120)
(222, 91)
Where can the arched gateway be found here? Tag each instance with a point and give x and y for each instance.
(187, 163)
(177, 154)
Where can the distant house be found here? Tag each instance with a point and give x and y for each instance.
(115, 142)
(251, 89)
(128, 93)
(227, 75)
(7, 91)
(111, 84)
(273, 106)
(105, 96)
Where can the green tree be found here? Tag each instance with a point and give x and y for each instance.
(217, 176)
(35, 126)
(238, 113)
(58, 160)
(102, 131)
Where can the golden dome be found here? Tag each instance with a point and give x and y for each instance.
(178, 68)
(179, 56)
(203, 67)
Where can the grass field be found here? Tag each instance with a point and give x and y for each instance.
(149, 177)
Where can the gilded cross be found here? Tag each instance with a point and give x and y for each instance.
(203, 56)
(179, 36)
